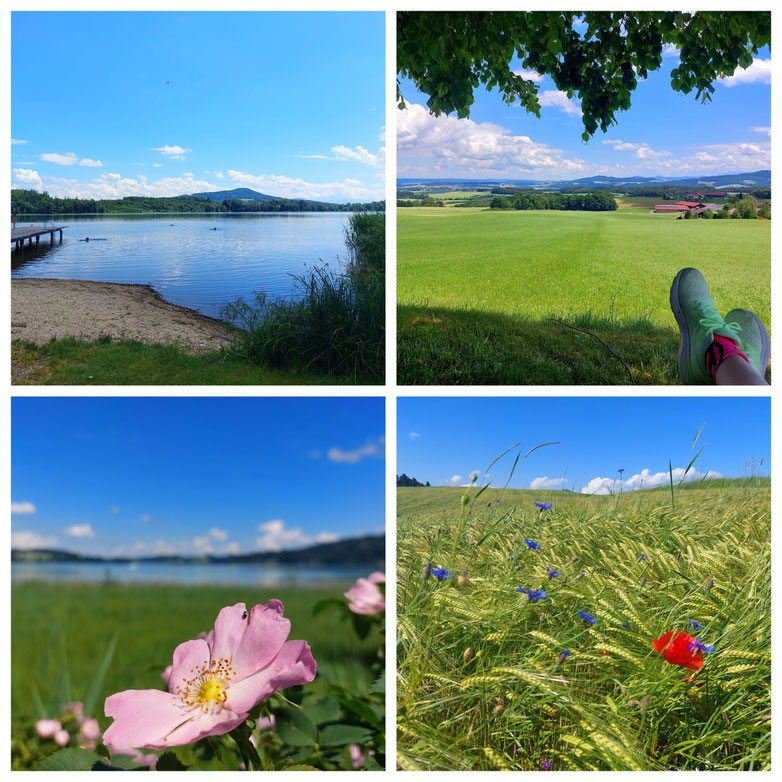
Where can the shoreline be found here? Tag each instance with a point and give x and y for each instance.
(43, 309)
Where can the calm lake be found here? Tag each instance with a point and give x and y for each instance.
(166, 573)
(183, 258)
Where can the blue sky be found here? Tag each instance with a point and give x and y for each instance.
(162, 104)
(663, 134)
(444, 441)
(185, 475)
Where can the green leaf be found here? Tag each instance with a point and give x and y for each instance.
(300, 767)
(168, 761)
(70, 759)
(379, 684)
(295, 728)
(339, 735)
(322, 710)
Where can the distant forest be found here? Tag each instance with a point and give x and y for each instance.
(33, 202)
(587, 202)
(405, 480)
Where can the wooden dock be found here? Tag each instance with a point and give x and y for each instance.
(20, 235)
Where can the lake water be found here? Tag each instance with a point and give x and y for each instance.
(182, 258)
(166, 573)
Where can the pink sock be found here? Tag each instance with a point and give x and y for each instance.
(718, 351)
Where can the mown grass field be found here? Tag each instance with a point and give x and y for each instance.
(60, 633)
(481, 681)
(477, 290)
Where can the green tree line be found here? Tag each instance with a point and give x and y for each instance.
(33, 202)
(587, 202)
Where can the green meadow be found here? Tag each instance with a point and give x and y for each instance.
(483, 683)
(548, 297)
(84, 642)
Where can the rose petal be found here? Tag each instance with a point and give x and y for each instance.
(263, 639)
(205, 724)
(143, 718)
(293, 665)
(189, 657)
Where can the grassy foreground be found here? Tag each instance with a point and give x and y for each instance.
(62, 635)
(482, 684)
(480, 292)
(125, 362)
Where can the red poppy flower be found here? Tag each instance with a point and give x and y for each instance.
(679, 650)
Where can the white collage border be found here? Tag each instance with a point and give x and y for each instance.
(390, 391)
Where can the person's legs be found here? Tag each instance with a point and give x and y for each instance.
(735, 371)
(699, 323)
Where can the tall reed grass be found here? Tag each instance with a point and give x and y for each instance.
(335, 321)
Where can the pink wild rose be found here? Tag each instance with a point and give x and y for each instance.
(47, 728)
(62, 737)
(89, 730)
(213, 686)
(357, 757)
(365, 597)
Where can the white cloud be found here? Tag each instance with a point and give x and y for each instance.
(145, 517)
(203, 545)
(314, 157)
(415, 435)
(218, 534)
(641, 151)
(23, 508)
(80, 531)
(231, 548)
(561, 101)
(157, 165)
(372, 448)
(530, 75)
(361, 155)
(759, 71)
(60, 160)
(455, 479)
(287, 187)
(174, 152)
(18, 141)
(448, 146)
(547, 483)
(26, 176)
(763, 129)
(29, 540)
(277, 537)
(645, 480)
(670, 50)
(90, 163)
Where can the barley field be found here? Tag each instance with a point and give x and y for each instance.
(563, 675)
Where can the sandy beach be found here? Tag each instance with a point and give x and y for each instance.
(46, 309)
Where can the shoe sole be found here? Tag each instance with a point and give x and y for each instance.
(684, 342)
(765, 353)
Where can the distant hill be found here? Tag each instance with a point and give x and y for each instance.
(369, 550)
(747, 179)
(245, 194)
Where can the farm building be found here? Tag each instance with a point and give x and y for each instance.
(701, 196)
(679, 206)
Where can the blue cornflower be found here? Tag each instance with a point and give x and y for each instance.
(497, 500)
(697, 644)
(543, 506)
(695, 623)
(588, 618)
(532, 594)
(531, 543)
(552, 573)
(441, 574)
(564, 654)
(643, 556)
(620, 470)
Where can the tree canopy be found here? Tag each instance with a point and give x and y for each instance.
(596, 56)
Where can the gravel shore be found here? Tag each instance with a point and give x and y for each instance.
(44, 309)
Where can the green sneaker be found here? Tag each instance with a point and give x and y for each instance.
(754, 338)
(698, 321)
